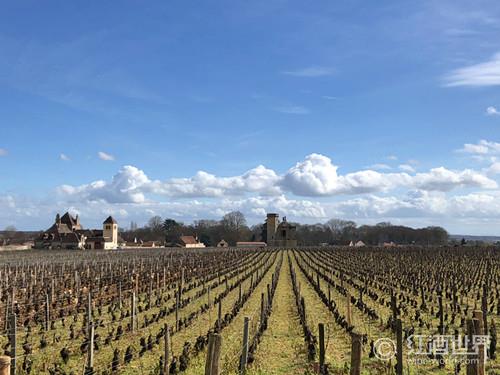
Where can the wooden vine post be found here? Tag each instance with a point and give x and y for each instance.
(321, 328)
(441, 314)
(13, 342)
(484, 308)
(479, 331)
(349, 316)
(399, 347)
(166, 363)
(262, 307)
(356, 349)
(471, 358)
(177, 302)
(219, 316)
(244, 350)
(89, 370)
(133, 312)
(47, 312)
(213, 354)
(394, 307)
(120, 304)
(89, 311)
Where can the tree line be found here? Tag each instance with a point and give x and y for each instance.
(233, 227)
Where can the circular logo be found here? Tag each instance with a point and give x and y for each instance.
(384, 348)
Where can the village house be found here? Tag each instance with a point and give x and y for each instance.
(68, 233)
(190, 242)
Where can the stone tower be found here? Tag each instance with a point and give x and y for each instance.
(110, 233)
(271, 227)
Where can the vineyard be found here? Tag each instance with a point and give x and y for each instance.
(231, 311)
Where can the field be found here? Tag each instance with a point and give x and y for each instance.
(154, 311)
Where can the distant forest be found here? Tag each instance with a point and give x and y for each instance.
(233, 227)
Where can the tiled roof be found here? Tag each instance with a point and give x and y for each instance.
(110, 220)
(188, 240)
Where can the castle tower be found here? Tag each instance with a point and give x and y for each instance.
(110, 233)
(271, 227)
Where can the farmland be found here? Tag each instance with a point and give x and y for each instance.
(155, 311)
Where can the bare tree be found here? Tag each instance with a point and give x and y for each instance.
(339, 227)
(234, 226)
(234, 221)
(155, 223)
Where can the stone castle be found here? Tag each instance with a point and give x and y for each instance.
(68, 233)
(279, 234)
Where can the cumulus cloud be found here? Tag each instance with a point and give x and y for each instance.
(125, 187)
(442, 179)
(64, 157)
(492, 111)
(482, 148)
(105, 156)
(311, 72)
(317, 176)
(258, 206)
(131, 184)
(257, 180)
(422, 204)
(483, 74)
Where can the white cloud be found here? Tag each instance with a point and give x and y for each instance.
(130, 185)
(64, 157)
(328, 97)
(407, 168)
(492, 111)
(392, 157)
(380, 166)
(312, 71)
(258, 206)
(482, 74)
(317, 176)
(257, 180)
(293, 110)
(3, 152)
(494, 168)
(105, 156)
(442, 179)
(481, 148)
(125, 187)
(423, 204)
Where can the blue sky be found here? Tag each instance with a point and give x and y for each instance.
(371, 111)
